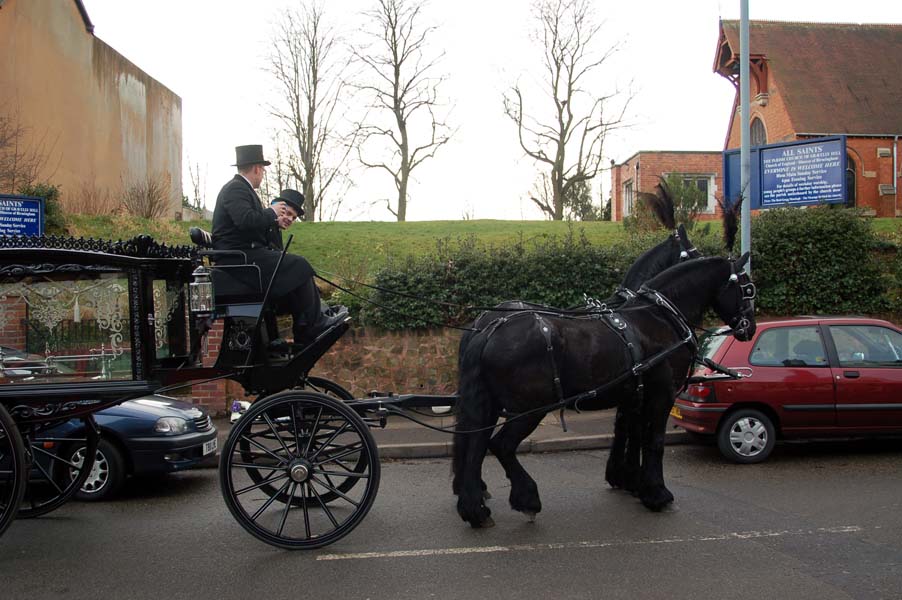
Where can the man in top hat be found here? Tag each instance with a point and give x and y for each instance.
(241, 223)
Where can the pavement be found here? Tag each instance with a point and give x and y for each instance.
(404, 439)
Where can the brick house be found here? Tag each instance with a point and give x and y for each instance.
(816, 79)
(640, 172)
(808, 80)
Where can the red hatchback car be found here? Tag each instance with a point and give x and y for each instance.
(804, 377)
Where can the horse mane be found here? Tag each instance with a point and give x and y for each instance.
(661, 204)
(654, 260)
(730, 215)
(679, 278)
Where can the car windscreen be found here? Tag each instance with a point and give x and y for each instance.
(709, 344)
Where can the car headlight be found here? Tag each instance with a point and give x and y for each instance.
(171, 426)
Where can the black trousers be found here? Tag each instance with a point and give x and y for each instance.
(304, 306)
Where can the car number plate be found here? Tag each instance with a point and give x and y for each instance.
(210, 447)
(675, 412)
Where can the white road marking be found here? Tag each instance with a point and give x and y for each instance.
(736, 535)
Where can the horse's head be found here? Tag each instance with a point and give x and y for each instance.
(733, 302)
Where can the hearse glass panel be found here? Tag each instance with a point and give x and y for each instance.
(65, 327)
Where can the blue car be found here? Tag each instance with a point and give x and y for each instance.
(153, 434)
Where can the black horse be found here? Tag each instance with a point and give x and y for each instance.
(674, 249)
(624, 458)
(641, 354)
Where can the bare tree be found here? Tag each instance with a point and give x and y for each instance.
(198, 200)
(278, 176)
(404, 86)
(567, 136)
(24, 155)
(307, 64)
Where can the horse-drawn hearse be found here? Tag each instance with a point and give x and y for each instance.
(86, 324)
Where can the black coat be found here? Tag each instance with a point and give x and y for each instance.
(241, 223)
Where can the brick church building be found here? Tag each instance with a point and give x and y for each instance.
(808, 80)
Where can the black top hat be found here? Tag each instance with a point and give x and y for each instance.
(250, 155)
(294, 199)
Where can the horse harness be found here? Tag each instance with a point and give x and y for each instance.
(627, 335)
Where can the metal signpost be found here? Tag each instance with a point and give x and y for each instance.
(744, 130)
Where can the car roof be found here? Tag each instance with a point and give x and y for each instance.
(826, 319)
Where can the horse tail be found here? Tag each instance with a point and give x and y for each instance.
(473, 403)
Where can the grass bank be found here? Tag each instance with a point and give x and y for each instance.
(356, 249)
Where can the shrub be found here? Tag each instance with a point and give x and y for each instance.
(54, 220)
(148, 198)
(816, 261)
(92, 199)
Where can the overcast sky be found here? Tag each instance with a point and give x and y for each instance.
(212, 53)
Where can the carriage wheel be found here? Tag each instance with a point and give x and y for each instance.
(55, 476)
(303, 446)
(334, 390)
(13, 469)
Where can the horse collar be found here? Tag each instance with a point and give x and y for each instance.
(682, 322)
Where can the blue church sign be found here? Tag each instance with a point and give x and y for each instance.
(791, 174)
(21, 215)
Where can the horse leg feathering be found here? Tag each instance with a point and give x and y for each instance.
(524, 495)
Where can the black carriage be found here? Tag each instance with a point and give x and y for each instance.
(86, 324)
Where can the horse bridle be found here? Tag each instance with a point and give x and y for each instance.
(743, 321)
(685, 253)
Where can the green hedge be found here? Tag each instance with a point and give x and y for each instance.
(549, 270)
(821, 260)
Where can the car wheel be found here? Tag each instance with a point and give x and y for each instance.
(746, 436)
(107, 474)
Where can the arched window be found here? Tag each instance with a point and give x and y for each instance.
(758, 135)
(850, 181)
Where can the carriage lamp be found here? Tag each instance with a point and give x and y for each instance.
(201, 292)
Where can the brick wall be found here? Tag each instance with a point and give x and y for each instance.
(361, 361)
(12, 331)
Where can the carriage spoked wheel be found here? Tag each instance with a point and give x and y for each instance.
(55, 476)
(286, 457)
(334, 390)
(13, 469)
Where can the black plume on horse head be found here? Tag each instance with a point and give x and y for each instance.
(730, 215)
(661, 204)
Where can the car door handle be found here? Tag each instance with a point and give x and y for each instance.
(851, 374)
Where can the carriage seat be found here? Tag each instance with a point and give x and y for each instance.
(200, 237)
(233, 282)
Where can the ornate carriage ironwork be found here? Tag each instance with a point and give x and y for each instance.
(86, 323)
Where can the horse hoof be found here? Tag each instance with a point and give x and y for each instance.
(486, 495)
(530, 516)
(487, 522)
(657, 499)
